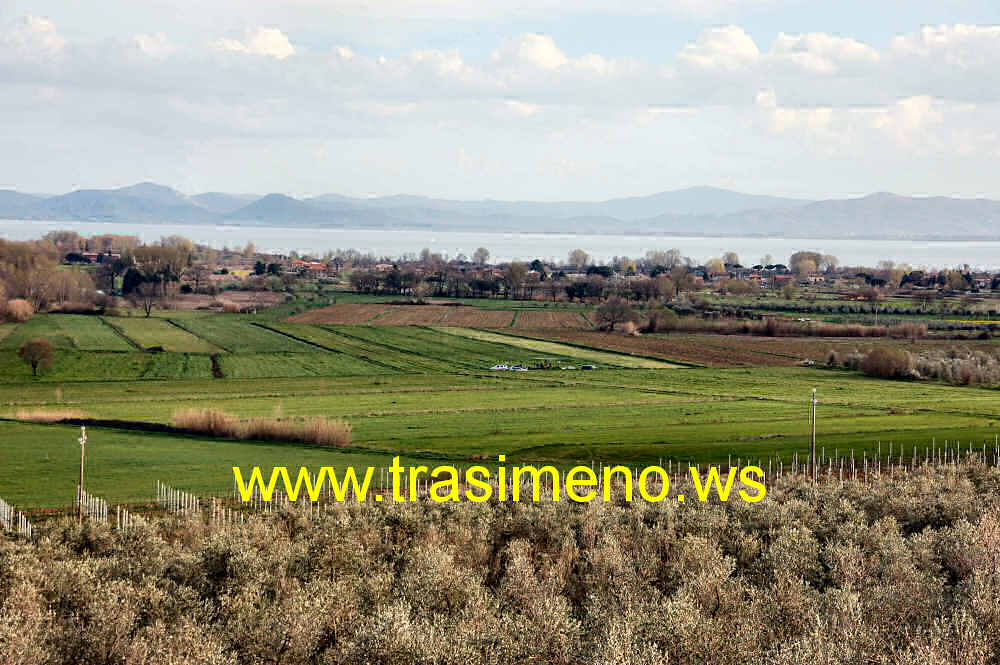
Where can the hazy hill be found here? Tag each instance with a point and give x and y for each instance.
(139, 203)
(221, 203)
(692, 201)
(15, 204)
(278, 208)
(878, 215)
(694, 211)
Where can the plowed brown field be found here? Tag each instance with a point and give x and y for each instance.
(725, 350)
(412, 315)
(471, 317)
(530, 319)
(346, 314)
(711, 350)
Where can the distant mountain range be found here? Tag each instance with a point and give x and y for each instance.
(705, 211)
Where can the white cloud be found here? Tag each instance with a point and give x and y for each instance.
(33, 37)
(960, 46)
(931, 92)
(343, 53)
(908, 121)
(441, 62)
(814, 122)
(720, 49)
(262, 41)
(530, 49)
(522, 108)
(154, 46)
(822, 53)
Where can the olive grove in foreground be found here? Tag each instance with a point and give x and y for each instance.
(900, 570)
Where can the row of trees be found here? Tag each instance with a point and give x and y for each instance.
(519, 281)
(30, 272)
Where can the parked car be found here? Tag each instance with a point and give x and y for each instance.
(500, 366)
(518, 368)
(587, 367)
(568, 367)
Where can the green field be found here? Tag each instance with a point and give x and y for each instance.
(118, 463)
(106, 366)
(68, 331)
(151, 333)
(428, 392)
(238, 334)
(339, 340)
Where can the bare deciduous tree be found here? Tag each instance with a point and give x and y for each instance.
(39, 353)
(614, 311)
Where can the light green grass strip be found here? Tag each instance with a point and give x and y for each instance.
(152, 332)
(556, 349)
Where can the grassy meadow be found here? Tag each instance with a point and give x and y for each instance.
(426, 392)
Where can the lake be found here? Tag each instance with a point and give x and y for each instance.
(526, 246)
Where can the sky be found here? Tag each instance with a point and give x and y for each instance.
(502, 99)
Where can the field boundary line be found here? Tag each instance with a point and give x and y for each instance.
(191, 332)
(322, 347)
(513, 319)
(590, 324)
(355, 338)
(121, 333)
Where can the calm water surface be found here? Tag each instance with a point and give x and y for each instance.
(546, 246)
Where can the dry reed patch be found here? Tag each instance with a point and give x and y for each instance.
(317, 431)
(412, 315)
(346, 314)
(471, 317)
(48, 415)
(535, 319)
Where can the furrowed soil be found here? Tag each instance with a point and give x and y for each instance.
(530, 319)
(735, 350)
(412, 315)
(345, 314)
(471, 317)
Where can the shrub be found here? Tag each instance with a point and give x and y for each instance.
(75, 307)
(960, 366)
(888, 363)
(661, 320)
(19, 310)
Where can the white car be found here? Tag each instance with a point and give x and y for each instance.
(500, 367)
(518, 368)
(568, 367)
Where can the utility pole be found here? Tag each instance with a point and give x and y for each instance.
(79, 491)
(814, 437)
